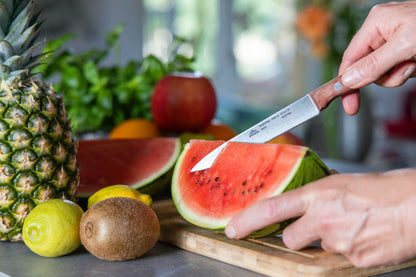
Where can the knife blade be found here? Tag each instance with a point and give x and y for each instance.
(284, 120)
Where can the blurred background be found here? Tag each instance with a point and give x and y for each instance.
(260, 55)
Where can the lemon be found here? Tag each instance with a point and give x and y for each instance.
(51, 229)
(119, 191)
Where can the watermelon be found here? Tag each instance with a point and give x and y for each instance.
(144, 164)
(241, 175)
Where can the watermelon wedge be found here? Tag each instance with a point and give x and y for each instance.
(144, 164)
(242, 175)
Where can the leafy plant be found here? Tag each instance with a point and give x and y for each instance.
(98, 97)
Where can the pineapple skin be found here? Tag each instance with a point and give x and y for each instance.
(38, 158)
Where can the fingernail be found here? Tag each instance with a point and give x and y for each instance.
(230, 232)
(351, 77)
(409, 71)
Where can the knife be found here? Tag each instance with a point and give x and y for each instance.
(284, 120)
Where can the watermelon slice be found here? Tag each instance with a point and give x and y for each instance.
(242, 175)
(144, 164)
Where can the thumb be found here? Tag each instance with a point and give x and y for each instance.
(374, 66)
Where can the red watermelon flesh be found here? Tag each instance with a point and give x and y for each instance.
(242, 175)
(133, 162)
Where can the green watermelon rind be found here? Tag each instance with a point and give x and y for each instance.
(159, 184)
(157, 181)
(310, 164)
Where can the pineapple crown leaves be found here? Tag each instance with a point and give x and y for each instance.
(19, 30)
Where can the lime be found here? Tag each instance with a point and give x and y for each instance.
(51, 229)
(119, 191)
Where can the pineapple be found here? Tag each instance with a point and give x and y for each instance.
(37, 152)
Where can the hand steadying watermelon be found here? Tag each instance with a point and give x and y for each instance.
(242, 175)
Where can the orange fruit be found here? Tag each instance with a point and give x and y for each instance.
(135, 128)
(219, 130)
(287, 138)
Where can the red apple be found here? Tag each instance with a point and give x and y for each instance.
(183, 102)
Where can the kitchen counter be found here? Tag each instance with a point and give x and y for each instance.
(163, 260)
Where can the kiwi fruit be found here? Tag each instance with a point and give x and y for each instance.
(119, 228)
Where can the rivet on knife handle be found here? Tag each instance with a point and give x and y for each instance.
(323, 95)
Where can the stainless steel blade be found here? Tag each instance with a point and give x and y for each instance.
(269, 128)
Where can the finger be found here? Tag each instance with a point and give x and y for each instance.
(323, 213)
(325, 220)
(351, 102)
(398, 75)
(327, 247)
(384, 41)
(354, 53)
(300, 233)
(266, 212)
(377, 63)
(363, 42)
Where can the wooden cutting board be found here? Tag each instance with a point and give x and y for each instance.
(267, 256)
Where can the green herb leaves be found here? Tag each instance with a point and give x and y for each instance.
(98, 97)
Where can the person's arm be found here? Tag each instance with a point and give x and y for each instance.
(369, 218)
(383, 50)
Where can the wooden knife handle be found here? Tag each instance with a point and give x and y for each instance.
(323, 95)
